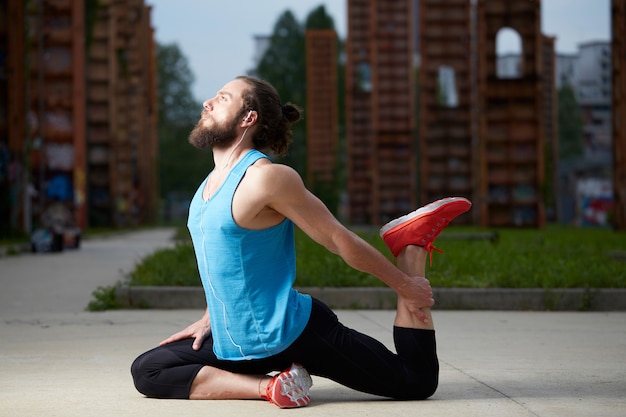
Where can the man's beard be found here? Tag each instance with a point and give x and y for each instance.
(213, 137)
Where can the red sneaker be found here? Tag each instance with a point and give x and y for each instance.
(422, 226)
(290, 388)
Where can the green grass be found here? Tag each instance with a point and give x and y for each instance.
(555, 257)
(176, 266)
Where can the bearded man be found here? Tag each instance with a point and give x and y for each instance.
(259, 337)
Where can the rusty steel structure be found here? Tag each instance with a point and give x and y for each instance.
(550, 125)
(380, 114)
(79, 119)
(618, 24)
(489, 137)
(394, 182)
(122, 115)
(47, 95)
(12, 121)
(480, 136)
(81, 111)
(322, 107)
(512, 118)
(358, 111)
(447, 128)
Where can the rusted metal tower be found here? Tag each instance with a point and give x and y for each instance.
(511, 118)
(618, 20)
(447, 152)
(13, 123)
(550, 124)
(81, 116)
(393, 112)
(380, 110)
(322, 113)
(121, 121)
(493, 152)
(358, 112)
(54, 97)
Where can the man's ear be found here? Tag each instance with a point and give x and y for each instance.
(250, 118)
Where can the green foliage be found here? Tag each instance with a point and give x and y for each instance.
(283, 65)
(330, 192)
(91, 17)
(176, 266)
(104, 299)
(319, 19)
(181, 166)
(177, 106)
(548, 186)
(555, 257)
(570, 125)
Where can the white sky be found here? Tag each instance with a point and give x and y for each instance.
(217, 36)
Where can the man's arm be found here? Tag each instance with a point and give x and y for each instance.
(285, 193)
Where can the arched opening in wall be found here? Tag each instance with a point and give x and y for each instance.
(447, 94)
(509, 54)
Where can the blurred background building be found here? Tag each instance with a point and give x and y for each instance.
(586, 180)
(432, 108)
(77, 112)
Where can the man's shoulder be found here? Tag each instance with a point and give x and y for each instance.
(270, 170)
(267, 175)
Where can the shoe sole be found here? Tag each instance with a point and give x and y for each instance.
(427, 210)
(295, 385)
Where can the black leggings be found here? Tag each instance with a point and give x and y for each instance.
(326, 348)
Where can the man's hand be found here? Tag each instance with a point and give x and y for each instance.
(417, 294)
(197, 331)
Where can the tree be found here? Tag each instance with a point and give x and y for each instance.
(330, 192)
(177, 106)
(181, 166)
(283, 65)
(571, 143)
(319, 19)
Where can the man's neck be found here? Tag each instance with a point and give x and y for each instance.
(225, 158)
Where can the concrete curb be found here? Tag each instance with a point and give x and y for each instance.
(534, 299)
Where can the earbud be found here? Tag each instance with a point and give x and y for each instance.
(248, 116)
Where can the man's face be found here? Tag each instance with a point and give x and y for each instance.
(219, 124)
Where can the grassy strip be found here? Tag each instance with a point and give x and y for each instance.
(555, 257)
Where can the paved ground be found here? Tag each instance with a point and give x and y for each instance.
(58, 360)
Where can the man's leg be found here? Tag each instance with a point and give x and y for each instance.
(288, 389)
(412, 261)
(176, 370)
(410, 238)
(415, 339)
(216, 384)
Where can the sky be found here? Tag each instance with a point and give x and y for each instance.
(217, 36)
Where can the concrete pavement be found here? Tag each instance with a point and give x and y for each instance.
(63, 282)
(58, 360)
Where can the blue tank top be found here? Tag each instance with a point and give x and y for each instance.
(247, 275)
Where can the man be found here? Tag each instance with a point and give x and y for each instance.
(241, 221)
